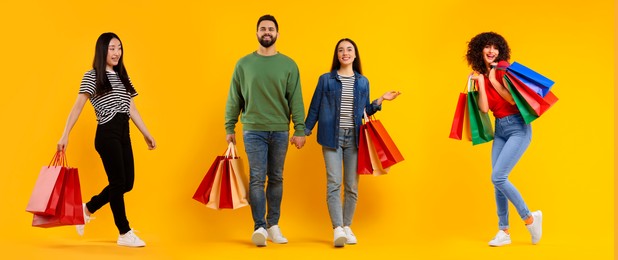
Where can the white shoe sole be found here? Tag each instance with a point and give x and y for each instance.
(340, 242)
(500, 244)
(131, 245)
(258, 239)
(540, 219)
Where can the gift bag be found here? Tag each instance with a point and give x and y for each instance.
(239, 183)
(535, 81)
(225, 185)
(46, 193)
(364, 160)
(376, 166)
(457, 126)
(215, 191)
(538, 104)
(526, 111)
(385, 147)
(202, 194)
(70, 208)
(480, 124)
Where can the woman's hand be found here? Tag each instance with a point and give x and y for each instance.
(62, 144)
(390, 95)
(150, 141)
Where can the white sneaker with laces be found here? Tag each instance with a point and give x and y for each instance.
(274, 234)
(351, 238)
(501, 239)
(259, 237)
(536, 228)
(340, 238)
(130, 239)
(80, 228)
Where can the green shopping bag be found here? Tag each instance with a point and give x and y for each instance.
(527, 112)
(480, 124)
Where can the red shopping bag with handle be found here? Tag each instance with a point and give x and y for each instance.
(538, 103)
(46, 193)
(460, 117)
(70, 209)
(363, 160)
(384, 145)
(368, 160)
(202, 194)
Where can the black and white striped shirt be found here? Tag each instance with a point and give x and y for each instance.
(118, 100)
(346, 115)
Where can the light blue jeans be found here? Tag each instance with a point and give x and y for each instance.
(511, 139)
(266, 154)
(346, 154)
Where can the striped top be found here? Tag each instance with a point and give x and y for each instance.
(346, 114)
(118, 100)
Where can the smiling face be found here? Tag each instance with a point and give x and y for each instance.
(490, 54)
(267, 33)
(114, 53)
(346, 53)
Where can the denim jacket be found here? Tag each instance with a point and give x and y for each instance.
(326, 105)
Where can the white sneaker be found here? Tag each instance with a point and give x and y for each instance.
(259, 237)
(80, 228)
(351, 238)
(130, 239)
(501, 239)
(536, 228)
(340, 238)
(274, 234)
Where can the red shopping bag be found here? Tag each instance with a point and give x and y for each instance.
(69, 210)
(537, 103)
(202, 194)
(460, 119)
(46, 193)
(363, 160)
(385, 147)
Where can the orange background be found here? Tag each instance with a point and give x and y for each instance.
(437, 204)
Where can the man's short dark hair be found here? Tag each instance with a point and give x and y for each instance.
(267, 17)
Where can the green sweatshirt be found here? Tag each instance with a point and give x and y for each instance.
(265, 91)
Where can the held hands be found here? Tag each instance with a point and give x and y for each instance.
(298, 141)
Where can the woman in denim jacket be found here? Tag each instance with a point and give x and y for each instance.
(337, 106)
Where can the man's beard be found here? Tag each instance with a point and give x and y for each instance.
(266, 43)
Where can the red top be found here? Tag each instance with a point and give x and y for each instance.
(497, 104)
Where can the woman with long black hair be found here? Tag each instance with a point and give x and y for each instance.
(111, 93)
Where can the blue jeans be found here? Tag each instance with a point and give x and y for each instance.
(346, 153)
(511, 139)
(266, 154)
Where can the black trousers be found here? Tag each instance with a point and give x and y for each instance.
(113, 144)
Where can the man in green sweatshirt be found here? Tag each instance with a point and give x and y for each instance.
(265, 92)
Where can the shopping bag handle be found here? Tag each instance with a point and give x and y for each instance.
(231, 151)
(368, 118)
(469, 81)
(59, 159)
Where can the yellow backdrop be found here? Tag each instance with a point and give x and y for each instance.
(437, 204)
